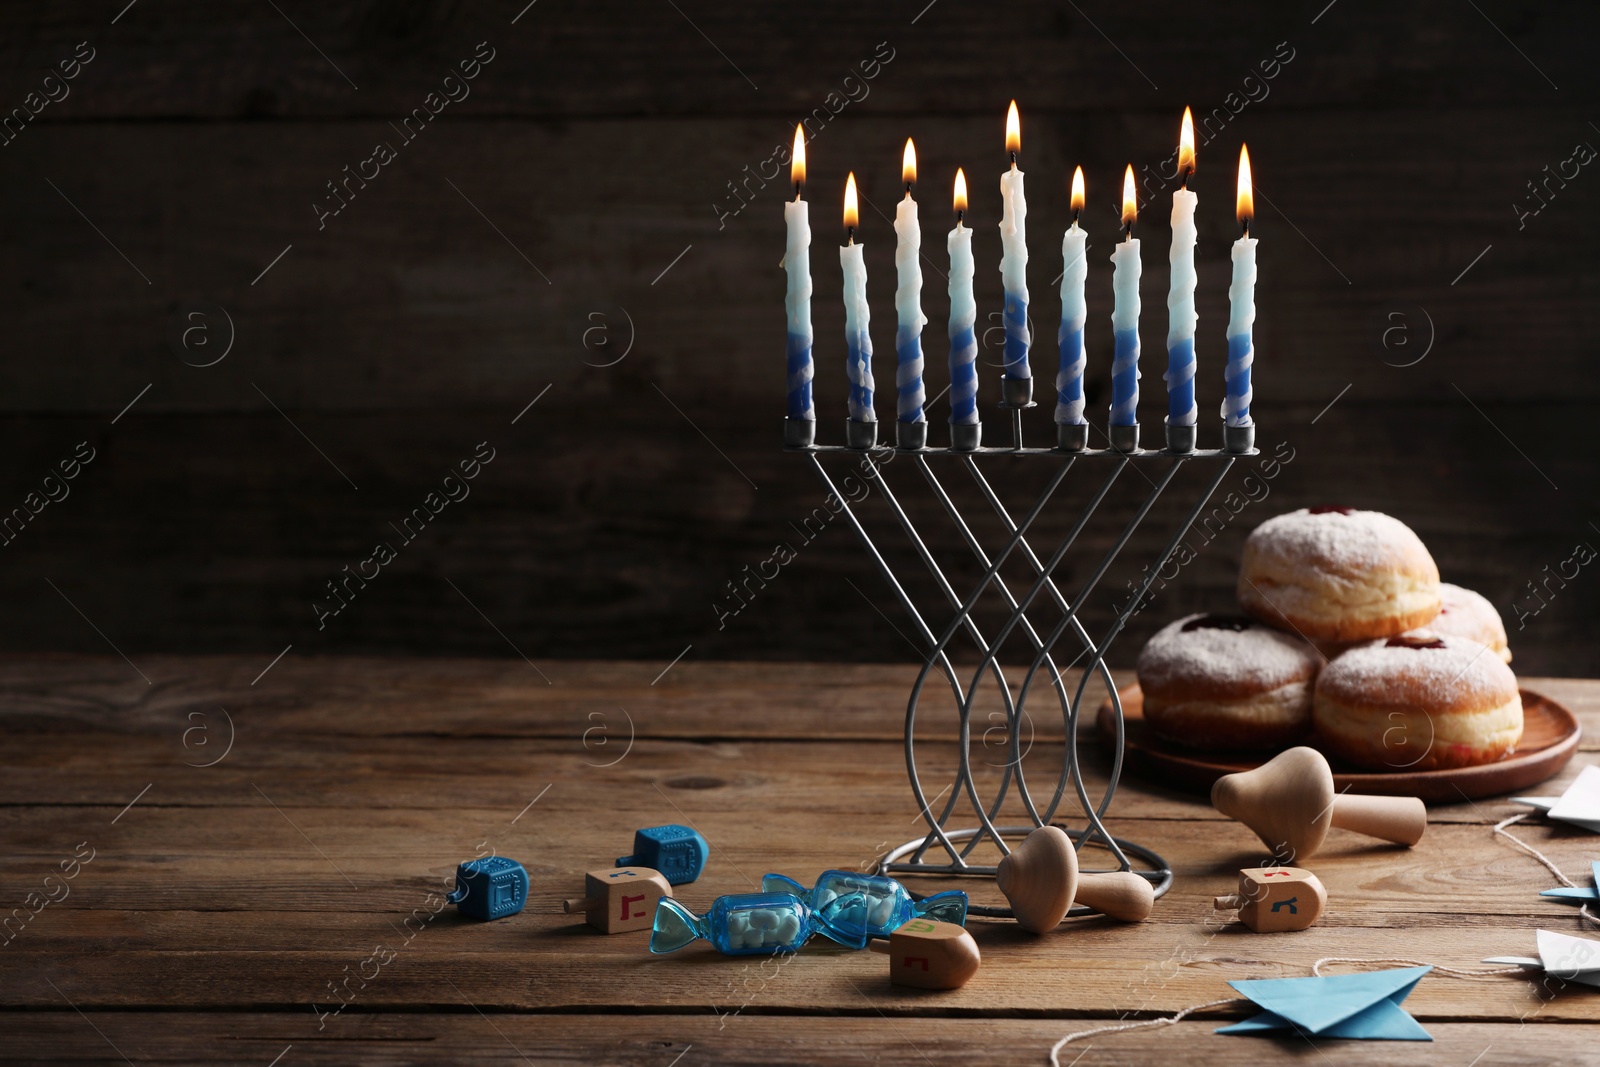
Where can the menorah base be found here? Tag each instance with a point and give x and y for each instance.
(1158, 874)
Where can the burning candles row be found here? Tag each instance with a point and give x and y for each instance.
(1017, 380)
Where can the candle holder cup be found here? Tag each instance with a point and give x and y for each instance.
(966, 436)
(1180, 439)
(1016, 392)
(1239, 440)
(1125, 438)
(860, 436)
(799, 433)
(911, 436)
(1072, 436)
(1038, 612)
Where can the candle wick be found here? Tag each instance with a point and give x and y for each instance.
(908, 188)
(959, 216)
(797, 189)
(1245, 222)
(1076, 214)
(850, 234)
(1013, 161)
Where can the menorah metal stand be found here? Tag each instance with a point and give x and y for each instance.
(948, 849)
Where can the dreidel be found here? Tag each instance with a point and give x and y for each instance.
(929, 955)
(1271, 899)
(616, 900)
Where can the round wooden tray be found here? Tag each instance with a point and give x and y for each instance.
(1549, 738)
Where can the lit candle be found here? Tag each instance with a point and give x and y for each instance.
(963, 324)
(858, 342)
(1014, 264)
(797, 301)
(1074, 314)
(1125, 321)
(1181, 317)
(1241, 307)
(908, 297)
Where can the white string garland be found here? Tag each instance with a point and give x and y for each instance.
(1500, 828)
(1316, 968)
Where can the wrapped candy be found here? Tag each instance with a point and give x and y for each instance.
(851, 907)
(746, 924)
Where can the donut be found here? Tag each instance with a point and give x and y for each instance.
(1420, 701)
(1335, 574)
(1463, 613)
(1227, 682)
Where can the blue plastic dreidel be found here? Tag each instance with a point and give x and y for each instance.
(490, 888)
(742, 924)
(863, 906)
(677, 852)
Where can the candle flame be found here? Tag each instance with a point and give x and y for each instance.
(797, 160)
(1130, 198)
(1247, 200)
(961, 191)
(1077, 192)
(1186, 145)
(852, 213)
(908, 164)
(1013, 130)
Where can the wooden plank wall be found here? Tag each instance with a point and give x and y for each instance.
(581, 194)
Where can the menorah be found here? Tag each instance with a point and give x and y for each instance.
(947, 848)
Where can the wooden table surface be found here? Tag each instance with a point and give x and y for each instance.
(223, 903)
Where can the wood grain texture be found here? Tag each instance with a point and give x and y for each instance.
(219, 907)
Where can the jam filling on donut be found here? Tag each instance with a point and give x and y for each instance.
(1330, 509)
(1414, 642)
(1236, 623)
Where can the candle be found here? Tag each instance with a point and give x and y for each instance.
(1074, 313)
(1014, 255)
(797, 301)
(1181, 317)
(1241, 307)
(963, 317)
(908, 297)
(1125, 313)
(858, 343)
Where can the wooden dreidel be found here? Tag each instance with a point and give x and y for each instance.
(1040, 878)
(1271, 899)
(929, 955)
(1290, 803)
(620, 899)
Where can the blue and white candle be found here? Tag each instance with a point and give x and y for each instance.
(797, 301)
(1014, 255)
(1074, 314)
(963, 317)
(908, 298)
(1241, 308)
(1125, 313)
(1181, 316)
(858, 342)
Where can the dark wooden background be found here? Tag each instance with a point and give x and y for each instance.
(599, 142)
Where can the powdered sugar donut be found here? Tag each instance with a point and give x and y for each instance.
(1463, 613)
(1418, 702)
(1338, 574)
(1227, 682)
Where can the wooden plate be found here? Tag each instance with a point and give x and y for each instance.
(1549, 738)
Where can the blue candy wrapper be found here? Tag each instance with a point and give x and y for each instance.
(851, 907)
(745, 924)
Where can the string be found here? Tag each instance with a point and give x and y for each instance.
(1316, 968)
(1055, 1050)
(1500, 828)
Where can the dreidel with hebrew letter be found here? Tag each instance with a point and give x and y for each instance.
(619, 899)
(929, 955)
(1271, 899)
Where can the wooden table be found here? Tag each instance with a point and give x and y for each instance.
(222, 903)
